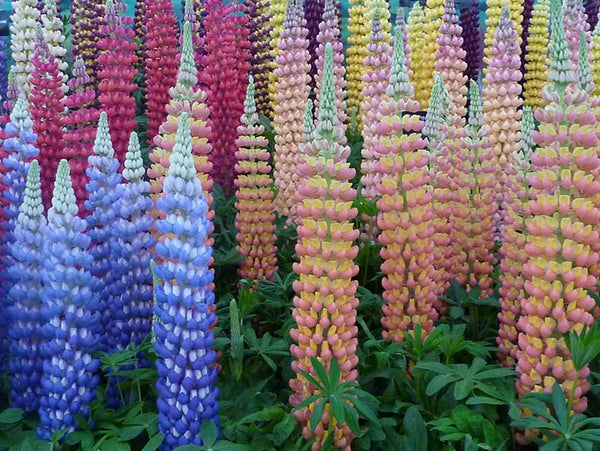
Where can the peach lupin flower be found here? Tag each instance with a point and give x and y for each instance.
(325, 304)
(292, 91)
(416, 31)
(562, 231)
(406, 209)
(473, 225)
(512, 252)
(537, 64)
(255, 218)
(450, 60)
(186, 97)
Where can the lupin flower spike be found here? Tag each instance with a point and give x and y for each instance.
(325, 301)
(185, 96)
(592, 8)
(495, 10)
(313, 14)
(79, 128)
(595, 60)
(575, 22)
(401, 22)
(87, 17)
(537, 63)
(277, 11)
(308, 127)
(472, 39)
(512, 252)
(117, 60)
(25, 321)
(292, 92)
(186, 371)
(52, 28)
(584, 71)
(255, 218)
(434, 11)
(450, 61)
(226, 41)
(3, 73)
(71, 315)
(24, 25)
(562, 239)
(259, 17)
(406, 210)
(416, 36)
(103, 194)
(131, 250)
(160, 61)
(330, 32)
(47, 106)
(525, 23)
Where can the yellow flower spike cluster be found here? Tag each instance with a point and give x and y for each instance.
(537, 64)
(563, 242)
(277, 10)
(434, 11)
(255, 218)
(325, 302)
(416, 30)
(358, 39)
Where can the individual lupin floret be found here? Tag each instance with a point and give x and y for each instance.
(537, 64)
(79, 130)
(512, 252)
(450, 61)
(52, 28)
(292, 91)
(325, 301)
(375, 81)
(406, 209)
(575, 20)
(472, 39)
(255, 218)
(23, 30)
(25, 321)
(47, 105)
(131, 251)
(71, 315)
(562, 232)
(103, 196)
(330, 32)
(473, 224)
(187, 97)
(116, 61)
(183, 306)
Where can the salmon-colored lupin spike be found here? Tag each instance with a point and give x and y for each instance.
(450, 61)
(325, 302)
(406, 209)
(512, 251)
(562, 231)
(255, 218)
(292, 91)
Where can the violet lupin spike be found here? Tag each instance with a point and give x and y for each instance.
(313, 13)
(472, 39)
(261, 59)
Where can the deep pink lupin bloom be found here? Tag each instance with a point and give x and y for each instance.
(161, 62)
(406, 219)
(79, 130)
(291, 95)
(563, 242)
(377, 63)
(117, 61)
(450, 61)
(46, 106)
(330, 32)
(472, 39)
(225, 75)
(575, 22)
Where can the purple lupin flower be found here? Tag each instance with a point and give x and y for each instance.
(527, 12)
(472, 39)
(71, 314)
(25, 322)
(186, 371)
(313, 14)
(591, 9)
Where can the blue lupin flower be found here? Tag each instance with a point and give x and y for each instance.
(186, 371)
(131, 293)
(25, 363)
(102, 197)
(19, 150)
(70, 310)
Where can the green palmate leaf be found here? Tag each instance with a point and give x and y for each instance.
(439, 382)
(337, 410)
(154, 442)
(462, 389)
(560, 405)
(208, 433)
(317, 414)
(321, 373)
(11, 416)
(585, 346)
(351, 418)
